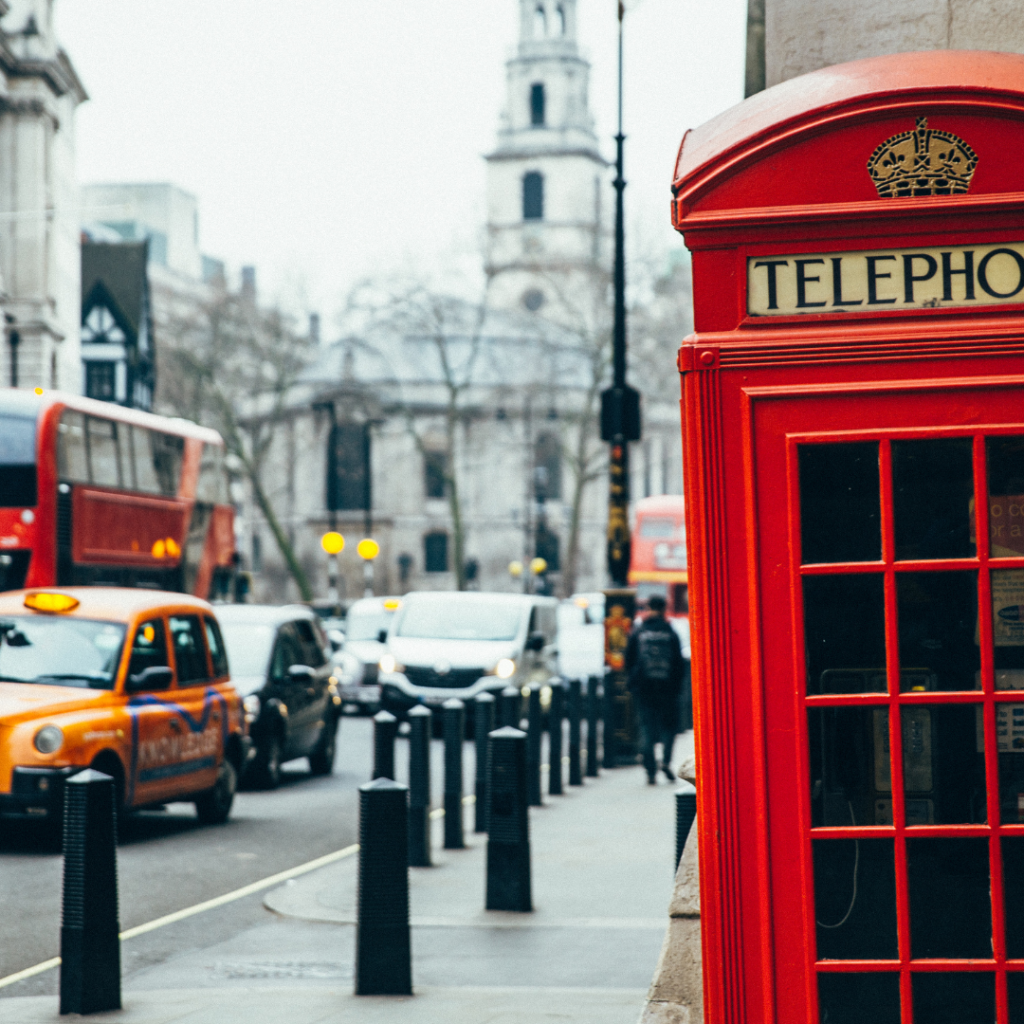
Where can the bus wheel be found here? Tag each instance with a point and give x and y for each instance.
(214, 806)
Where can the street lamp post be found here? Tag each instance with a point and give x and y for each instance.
(620, 404)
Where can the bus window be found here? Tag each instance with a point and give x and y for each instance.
(17, 462)
(212, 486)
(167, 455)
(142, 457)
(104, 458)
(71, 460)
(657, 526)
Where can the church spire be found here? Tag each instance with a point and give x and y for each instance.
(547, 26)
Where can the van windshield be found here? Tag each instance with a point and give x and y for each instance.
(460, 619)
(60, 652)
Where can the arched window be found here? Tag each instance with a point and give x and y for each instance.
(537, 104)
(547, 467)
(533, 196)
(560, 19)
(540, 22)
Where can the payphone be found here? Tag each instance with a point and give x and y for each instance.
(853, 437)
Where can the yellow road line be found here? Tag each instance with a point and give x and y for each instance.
(199, 908)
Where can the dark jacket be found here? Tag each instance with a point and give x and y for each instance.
(663, 658)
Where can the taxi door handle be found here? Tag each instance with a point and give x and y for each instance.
(175, 725)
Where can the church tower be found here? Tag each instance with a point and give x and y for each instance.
(547, 183)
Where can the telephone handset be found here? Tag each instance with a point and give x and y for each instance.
(856, 780)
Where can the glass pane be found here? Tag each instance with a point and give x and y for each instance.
(1013, 896)
(145, 464)
(1005, 496)
(71, 461)
(104, 462)
(937, 614)
(844, 626)
(943, 764)
(850, 778)
(933, 486)
(1010, 744)
(857, 998)
(1008, 628)
(950, 914)
(839, 502)
(964, 998)
(855, 899)
(1015, 996)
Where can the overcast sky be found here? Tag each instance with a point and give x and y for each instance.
(327, 140)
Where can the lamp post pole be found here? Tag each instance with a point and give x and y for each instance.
(620, 404)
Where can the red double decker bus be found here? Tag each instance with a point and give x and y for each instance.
(658, 557)
(92, 493)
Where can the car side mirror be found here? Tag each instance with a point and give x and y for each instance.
(300, 673)
(336, 639)
(535, 642)
(382, 636)
(156, 677)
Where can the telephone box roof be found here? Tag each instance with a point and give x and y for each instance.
(823, 99)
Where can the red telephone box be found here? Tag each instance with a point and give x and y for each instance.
(853, 420)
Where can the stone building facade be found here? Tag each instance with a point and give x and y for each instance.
(39, 246)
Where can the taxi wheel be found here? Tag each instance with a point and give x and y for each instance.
(266, 769)
(214, 806)
(321, 757)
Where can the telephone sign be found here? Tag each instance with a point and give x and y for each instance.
(853, 434)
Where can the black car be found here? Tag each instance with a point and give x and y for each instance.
(280, 665)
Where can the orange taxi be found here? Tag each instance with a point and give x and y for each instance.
(133, 683)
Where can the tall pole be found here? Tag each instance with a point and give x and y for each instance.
(617, 427)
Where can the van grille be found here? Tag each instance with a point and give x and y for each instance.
(456, 679)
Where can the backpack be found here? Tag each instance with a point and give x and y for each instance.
(655, 650)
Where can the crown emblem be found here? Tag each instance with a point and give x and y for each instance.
(923, 162)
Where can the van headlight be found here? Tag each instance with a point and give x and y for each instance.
(505, 669)
(388, 663)
(251, 704)
(48, 740)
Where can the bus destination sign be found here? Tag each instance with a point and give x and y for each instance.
(879, 279)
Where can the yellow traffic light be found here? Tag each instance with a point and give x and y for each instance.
(332, 542)
(515, 569)
(537, 566)
(368, 549)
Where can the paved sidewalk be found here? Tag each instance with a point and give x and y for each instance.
(602, 880)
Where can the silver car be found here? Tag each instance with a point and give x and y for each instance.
(366, 627)
(443, 644)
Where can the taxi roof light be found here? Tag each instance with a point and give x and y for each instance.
(48, 601)
(391, 604)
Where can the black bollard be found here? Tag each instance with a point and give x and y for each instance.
(90, 950)
(454, 731)
(508, 819)
(483, 726)
(686, 813)
(511, 707)
(385, 729)
(534, 732)
(556, 712)
(420, 718)
(609, 755)
(383, 952)
(593, 714)
(575, 713)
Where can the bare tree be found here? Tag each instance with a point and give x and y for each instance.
(228, 364)
(438, 340)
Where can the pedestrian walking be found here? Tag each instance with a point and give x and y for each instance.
(654, 664)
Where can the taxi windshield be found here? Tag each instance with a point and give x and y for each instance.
(60, 651)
